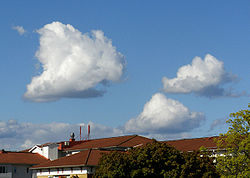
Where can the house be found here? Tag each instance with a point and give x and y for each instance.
(81, 165)
(54, 151)
(17, 164)
(48, 150)
(82, 158)
(121, 143)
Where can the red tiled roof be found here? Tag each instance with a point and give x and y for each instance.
(7, 157)
(83, 158)
(70, 144)
(135, 141)
(90, 156)
(193, 144)
(122, 141)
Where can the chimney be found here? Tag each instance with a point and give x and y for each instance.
(72, 137)
(60, 147)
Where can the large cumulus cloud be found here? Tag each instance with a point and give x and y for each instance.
(165, 116)
(73, 64)
(202, 77)
(162, 118)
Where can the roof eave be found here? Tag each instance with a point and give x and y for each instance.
(64, 166)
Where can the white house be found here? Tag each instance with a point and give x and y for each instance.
(17, 164)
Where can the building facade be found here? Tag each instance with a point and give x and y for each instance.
(17, 164)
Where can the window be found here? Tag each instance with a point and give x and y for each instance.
(3, 169)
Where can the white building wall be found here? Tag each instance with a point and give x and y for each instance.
(45, 151)
(34, 174)
(8, 173)
(53, 151)
(21, 171)
(37, 150)
(5, 175)
(16, 171)
(49, 151)
(65, 171)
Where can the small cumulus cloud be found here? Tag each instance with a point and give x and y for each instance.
(19, 29)
(169, 136)
(217, 123)
(102, 131)
(162, 115)
(202, 77)
(27, 144)
(74, 65)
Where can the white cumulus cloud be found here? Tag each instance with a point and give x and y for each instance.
(18, 136)
(203, 77)
(175, 122)
(73, 64)
(217, 123)
(164, 115)
(19, 29)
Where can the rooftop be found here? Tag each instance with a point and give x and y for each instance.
(84, 158)
(7, 157)
(121, 141)
(193, 144)
(91, 150)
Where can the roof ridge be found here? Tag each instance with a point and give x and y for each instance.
(113, 137)
(87, 159)
(127, 140)
(190, 138)
(23, 152)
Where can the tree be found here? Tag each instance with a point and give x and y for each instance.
(155, 160)
(113, 164)
(236, 142)
(198, 164)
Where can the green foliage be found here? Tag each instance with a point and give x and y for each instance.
(198, 166)
(204, 149)
(155, 160)
(113, 164)
(236, 142)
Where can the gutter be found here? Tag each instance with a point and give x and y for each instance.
(64, 166)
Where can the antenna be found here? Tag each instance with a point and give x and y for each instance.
(80, 133)
(88, 131)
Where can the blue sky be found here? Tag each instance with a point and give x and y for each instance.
(150, 40)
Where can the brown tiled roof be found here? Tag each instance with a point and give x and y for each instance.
(69, 144)
(135, 141)
(7, 157)
(122, 141)
(193, 144)
(27, 150)
(84, 158)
